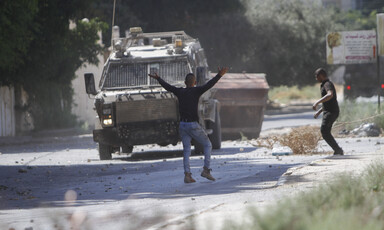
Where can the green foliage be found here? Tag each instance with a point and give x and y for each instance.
(16, 33)
(355, 113)
(49, 56)
(164, 15)
(346, 203)
(52, 70)
(355, 20)
(285, 39)
(285, 94)
(289, 40)
(370, 5)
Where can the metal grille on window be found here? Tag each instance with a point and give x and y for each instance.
(174, 72)
(126, 75)
(120, 75)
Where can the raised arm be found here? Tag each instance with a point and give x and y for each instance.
(222, 71)
(213, 81)
(164, 84)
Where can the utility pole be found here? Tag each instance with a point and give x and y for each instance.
(113, 18)
(378, 73)
(380, 51)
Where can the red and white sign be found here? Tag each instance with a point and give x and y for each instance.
(351, 47)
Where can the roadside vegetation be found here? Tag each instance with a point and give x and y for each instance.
(348, 202)
(353, 114)
(285, 94)
(301, 140)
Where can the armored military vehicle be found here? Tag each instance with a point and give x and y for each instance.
(133, 109)
(361, 81)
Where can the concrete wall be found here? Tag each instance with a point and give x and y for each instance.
(83, 105)
(7, 111)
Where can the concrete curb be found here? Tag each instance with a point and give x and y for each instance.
(328, 168)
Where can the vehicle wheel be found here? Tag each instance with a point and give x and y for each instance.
(215, 137)
(199, 149)
(127, 148)
(116, 149)
(105, 151)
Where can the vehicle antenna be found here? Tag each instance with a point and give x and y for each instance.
(113, 17)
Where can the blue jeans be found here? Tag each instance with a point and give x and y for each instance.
(189, 130)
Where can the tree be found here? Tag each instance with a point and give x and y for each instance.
(355, 20)
(16, 31)
(372, 5)
(289, 40)
(50, 57)
(163, 15)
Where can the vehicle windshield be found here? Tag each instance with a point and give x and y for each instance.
(127, 75)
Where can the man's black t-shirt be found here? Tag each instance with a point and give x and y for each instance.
(189, 97)
(331, 105)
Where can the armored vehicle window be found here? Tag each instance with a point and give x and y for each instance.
(172, 72)
(122, 75)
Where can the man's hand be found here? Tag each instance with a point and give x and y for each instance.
(318, 113)
(221, 71)
(326, 98)
(154, 76)
(314, 106)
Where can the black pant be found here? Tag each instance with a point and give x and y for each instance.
(326, 126)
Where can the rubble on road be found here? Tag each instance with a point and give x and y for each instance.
(367, 130)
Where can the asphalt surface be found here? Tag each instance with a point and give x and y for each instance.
(130, 191)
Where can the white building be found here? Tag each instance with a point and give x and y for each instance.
(7, 111)
(83, 104)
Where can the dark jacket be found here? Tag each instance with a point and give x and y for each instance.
(189, 97)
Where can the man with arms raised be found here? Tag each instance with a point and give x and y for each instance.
(189, 121)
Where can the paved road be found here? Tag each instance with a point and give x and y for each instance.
(61, 182)
(151, 180)
(289, 120)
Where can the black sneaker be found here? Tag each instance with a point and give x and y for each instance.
(338, 152)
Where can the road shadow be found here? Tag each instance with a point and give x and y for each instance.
(168, 154)
(29, 187)
(49, 144)
(342, 157)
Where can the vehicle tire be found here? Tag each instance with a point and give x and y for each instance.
(116, 149)
(127, 148)
(215, 137)
(199, 149)
(105, 151)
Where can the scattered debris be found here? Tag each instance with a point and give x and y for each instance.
(302, 140)
(281, 151)
(22, 171)
(367, 130)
